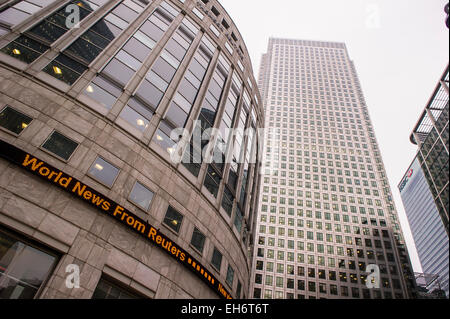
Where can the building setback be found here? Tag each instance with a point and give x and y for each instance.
(88, 180)
(326, 210)
(429, 233)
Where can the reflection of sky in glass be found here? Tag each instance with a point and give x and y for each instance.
(103, 171)
(23, 268)
(31, 265)
(141, 196)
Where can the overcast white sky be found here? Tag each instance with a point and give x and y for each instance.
(400, 50)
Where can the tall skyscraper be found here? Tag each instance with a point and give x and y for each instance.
(326, 210)
(428, 231)
(90, 94)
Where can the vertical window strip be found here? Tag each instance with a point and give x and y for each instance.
(227, 121)
(20, 11)
(125, 63)
(31, 45)
(92, 42)
(237, 150)
(249, 151)
(55, 25)
(185, 97)
(199, 66)
(213, 96)
(208, 110)
(207, 118)
(157, 80)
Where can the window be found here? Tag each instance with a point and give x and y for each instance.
(259, 265)
(65, 69)
(322, 288)
(300, 284)
(13, 120)
(92, 42)
(290, 283)
(103, 91)
(355, 292)
(25, 49)
(141, 196)
(173, 219)
(54, 26)
(238, 219)
(258, 279)
(198, 240)
(21, 11)
(238, 290)
(227, 201)
(216, 259)
(23, 268)
(230, 276)
(212, 181)
(104, 172)
(60, 145)
(108, 290)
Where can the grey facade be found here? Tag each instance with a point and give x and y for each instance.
(326, 210)
(98, 103)
(426, 225)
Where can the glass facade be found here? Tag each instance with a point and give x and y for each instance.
(431, 134)
(426, 226)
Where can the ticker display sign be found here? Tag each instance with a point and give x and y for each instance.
(105, 205)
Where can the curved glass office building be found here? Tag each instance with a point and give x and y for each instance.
(120, 174)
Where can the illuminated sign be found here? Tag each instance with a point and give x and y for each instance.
(109, 207)
(411, 171)
(405, 179)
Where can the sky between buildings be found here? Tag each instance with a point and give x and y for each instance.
(400, 50)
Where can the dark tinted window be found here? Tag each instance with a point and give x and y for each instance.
(198, 240)
(216, 259)
(108, 290)
(25, 49)
(13, 120)
(60, 145)
(173, 219)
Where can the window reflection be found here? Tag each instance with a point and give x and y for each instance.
(21, 11)
(13, 120)
(104, 172)
(141, 196)
(103, 91)
(92, 42)
(23, 268)
(25, 49)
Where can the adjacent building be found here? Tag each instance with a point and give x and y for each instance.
(429, 233)
(326, 210)
(431, 135)
(424, 188)
(91, 93)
